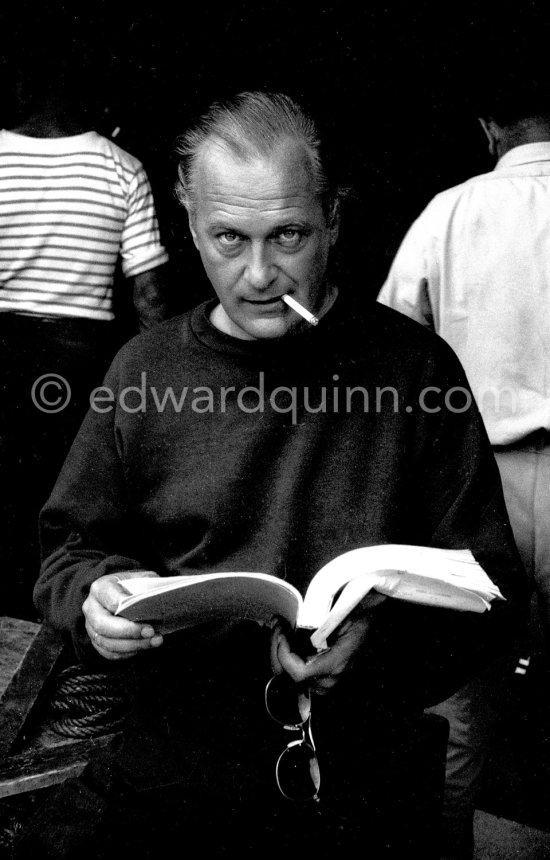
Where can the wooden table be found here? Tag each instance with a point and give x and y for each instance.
(32, 756)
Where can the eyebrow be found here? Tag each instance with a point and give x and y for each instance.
(224, 226)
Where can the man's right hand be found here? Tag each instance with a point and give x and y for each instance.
(112, 637)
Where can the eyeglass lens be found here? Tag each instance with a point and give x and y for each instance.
(286, 702)
(297, 772)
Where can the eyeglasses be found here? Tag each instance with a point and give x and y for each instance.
(297, 769)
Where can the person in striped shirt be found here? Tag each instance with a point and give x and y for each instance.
(70, 206)
(76, 212)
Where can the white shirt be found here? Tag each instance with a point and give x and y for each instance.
(69, 206)
(475, 266)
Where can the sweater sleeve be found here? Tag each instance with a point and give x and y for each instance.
(85, 531)
(460, 504)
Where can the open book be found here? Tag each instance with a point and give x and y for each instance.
(451, 579)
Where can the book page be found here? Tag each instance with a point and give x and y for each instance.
(430, 592)
(458, 568)
(351, 595)
(402, 586)
(136, 586)
(173, 603)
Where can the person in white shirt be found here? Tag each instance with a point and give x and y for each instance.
(474, 267)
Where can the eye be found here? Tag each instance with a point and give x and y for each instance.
(290, 237)
(229, 239)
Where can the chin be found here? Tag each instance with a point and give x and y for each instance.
(267, 329)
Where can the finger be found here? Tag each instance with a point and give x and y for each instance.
(290, 662)
(325, 664)
(133, 645)
(133, 574)
(129, 647)
(112, 630)
(124, 647)
(100, 620)
(320, 671)
(112, 655)
(322, 686)
(276, 637)
(304, 672)
(107, 590)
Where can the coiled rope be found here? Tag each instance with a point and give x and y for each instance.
(85, 704)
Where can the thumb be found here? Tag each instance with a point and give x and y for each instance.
(133, 574)
(276, 637)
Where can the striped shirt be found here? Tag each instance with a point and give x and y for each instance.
(69, 207)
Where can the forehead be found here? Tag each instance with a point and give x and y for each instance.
(277, 186)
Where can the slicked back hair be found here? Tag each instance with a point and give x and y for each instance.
(252, 125)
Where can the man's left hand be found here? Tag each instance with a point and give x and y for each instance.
(321, 672)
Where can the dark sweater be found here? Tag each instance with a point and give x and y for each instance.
(282, 481)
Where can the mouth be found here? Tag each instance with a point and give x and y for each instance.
(264, 302)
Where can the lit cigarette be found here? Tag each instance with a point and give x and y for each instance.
(300, 309)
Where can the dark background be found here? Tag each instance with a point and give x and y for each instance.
(398, 87)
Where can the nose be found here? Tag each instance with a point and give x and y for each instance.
(260, 270)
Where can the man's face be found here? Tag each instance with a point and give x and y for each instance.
(261, 232)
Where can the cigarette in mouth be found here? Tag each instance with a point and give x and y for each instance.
(300, 309)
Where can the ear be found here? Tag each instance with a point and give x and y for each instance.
(492, 132)
(334, 221)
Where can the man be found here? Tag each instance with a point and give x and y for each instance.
(474, 267)
(222, 440)
(73, 207)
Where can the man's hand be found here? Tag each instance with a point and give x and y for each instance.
(321, 672)
(112, 637)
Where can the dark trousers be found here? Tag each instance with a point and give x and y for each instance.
(48, 368)
(196, 767)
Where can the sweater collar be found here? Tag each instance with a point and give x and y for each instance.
(302, 340)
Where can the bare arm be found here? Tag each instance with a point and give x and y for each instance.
(150, 297)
